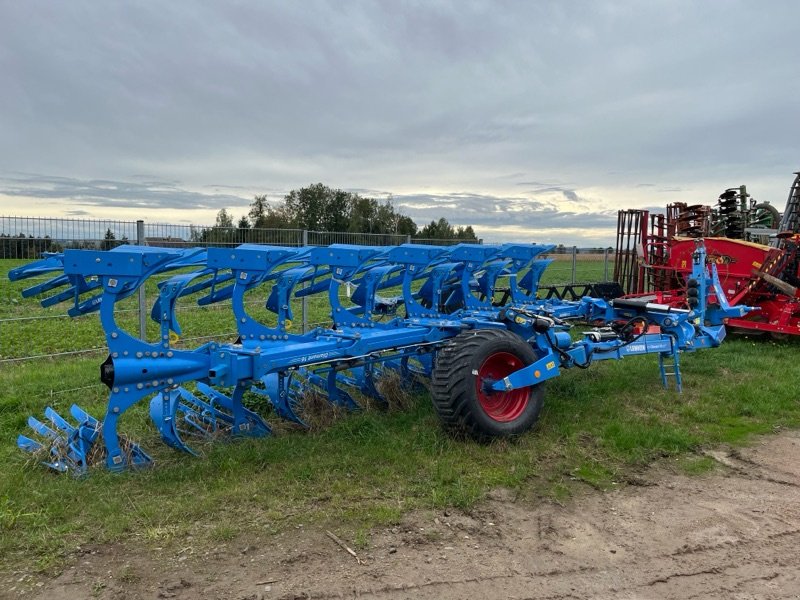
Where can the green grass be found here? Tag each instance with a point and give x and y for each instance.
(368, 469)
(697, 465)
(598, 427)
(588, 269)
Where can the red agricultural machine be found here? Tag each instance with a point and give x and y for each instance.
(756, 250)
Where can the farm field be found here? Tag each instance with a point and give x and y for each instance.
(354, 473)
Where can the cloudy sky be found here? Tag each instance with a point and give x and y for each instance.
(526, 120)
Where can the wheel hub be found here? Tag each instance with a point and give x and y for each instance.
(500, 406)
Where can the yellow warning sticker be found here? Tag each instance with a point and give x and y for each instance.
(551, 365)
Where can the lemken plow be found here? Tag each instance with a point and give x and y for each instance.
(486, 360)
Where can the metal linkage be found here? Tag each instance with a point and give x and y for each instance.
(635, 326)
(437, 294)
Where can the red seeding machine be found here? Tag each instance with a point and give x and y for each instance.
(755, 248)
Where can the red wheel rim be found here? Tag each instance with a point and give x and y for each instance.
(501, 406)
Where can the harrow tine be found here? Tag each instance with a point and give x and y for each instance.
(33, 447)
(327, 385)
(245, 421)
(42, 429)
(178, 412)
(88, 429)
(28, 445)
(67, 445)
(58, 421)
(207, 414)
(81, 415)
(166, 421)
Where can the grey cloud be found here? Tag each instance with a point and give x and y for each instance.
(536, 184)
(220, 186)
(106, 193)
(409, 98)
(494, 212)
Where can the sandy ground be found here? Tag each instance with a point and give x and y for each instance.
(733, 534)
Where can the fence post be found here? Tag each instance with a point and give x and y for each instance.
(304, 309)
(141, 241)
(408, 238)
(574, 262)
(605, 264)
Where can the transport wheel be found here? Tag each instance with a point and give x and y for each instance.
(464, 370)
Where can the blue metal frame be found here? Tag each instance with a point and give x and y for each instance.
(443, 291)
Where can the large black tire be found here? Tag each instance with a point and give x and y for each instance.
(462, 367)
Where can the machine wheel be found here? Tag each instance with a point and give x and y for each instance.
(462, 369)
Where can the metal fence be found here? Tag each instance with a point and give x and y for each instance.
(24, 324)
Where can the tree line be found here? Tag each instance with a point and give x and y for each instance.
(319, 208)
(316, 208)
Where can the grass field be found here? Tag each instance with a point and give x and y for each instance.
(598, 427)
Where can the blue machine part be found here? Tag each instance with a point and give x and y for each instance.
(199, 393)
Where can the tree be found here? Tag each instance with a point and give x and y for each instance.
(442, 230)
(437, 230)
(222, 232)
(319, 208)
(258, 211)
(363, 215)
(108, 240)
(243, 230)
(224, 220)
(405, 226)
(467, 234)
(264, 216)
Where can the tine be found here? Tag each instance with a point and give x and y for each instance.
(197, 422)
(42, 429)
(166, 424)
(204, 421)
(58, 421)
(209, 411)
(215, 396)
(27, 444)
(56, 465)
(139, 458)
(82, 416)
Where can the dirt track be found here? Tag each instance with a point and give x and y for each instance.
(733, 534)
